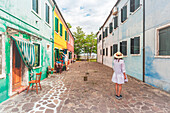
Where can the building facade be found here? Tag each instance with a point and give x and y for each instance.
(129, 21)
(70, 46)
(25, 43)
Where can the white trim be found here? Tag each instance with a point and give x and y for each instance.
(39, 56)
(50, 14)
(3, 75)
(39, 8)
(157, 42)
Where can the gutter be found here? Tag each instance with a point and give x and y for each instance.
(143, 40)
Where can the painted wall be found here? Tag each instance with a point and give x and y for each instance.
(70, 45)
(130, 28)
(157, 68)
(59, 41)
(99, 48)
(19, 15)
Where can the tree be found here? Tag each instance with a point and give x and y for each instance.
(79, 41)
(69, 25)
(91, 44)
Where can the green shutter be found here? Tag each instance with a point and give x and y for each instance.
(136, 4)
(65, 35)
(61, 29)
(47, 13)
(122, 15)
(136, 45)
(132, 46)
(132, 5)
(125, 12)
(56, 24)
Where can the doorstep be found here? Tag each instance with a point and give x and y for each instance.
(18, 90)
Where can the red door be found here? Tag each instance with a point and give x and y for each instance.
(16, 70)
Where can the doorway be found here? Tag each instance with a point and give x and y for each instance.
(16, 68)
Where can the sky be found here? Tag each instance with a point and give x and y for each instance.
(88, 14)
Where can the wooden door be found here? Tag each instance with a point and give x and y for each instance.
(16, 70)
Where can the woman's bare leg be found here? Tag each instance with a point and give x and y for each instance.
(116, 88)
(120, 88)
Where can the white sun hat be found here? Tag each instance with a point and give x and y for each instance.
(118, 55)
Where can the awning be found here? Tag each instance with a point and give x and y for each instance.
(26, 51)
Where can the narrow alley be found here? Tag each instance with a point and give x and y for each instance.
(69, 93)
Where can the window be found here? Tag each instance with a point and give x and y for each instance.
(103, 51)
(47, 13)
(115, 48)
(99, 37)
(61, 29)
(37, 55)
(106, 51)
(110, 27)
(70, 55)
(134, 4)
(65, 35)
(115, 22)
(103, 34)
(164, 42)
(123, 47)
(111, 51)
(106, 32)
(35, 5)
(135, 45)
(124, 13)
(56, 24)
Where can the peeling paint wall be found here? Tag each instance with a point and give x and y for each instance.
(18, 14)
(157, 69)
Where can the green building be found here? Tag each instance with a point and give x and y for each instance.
(26, 43)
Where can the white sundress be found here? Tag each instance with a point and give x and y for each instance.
(119, 69)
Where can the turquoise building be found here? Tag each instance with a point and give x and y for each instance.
(26, 43)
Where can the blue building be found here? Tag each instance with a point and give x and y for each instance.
(138, 29)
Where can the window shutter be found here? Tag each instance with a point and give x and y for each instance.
(121, 47)
(136, 45)
(47, 13)
(137, 4)
(110, 27)
(61, 29)
(132, 46)
(122, 15)
(114, 22)
(56, 24)
(110, 50)
(124, 47)
(103, 34)
(132, 5)
(125, 12)
(65, 35)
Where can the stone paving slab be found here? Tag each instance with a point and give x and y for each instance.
(69, 93)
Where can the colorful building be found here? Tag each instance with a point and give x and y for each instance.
(25, 43)
(70, 47)
(63, 38)
(141, 33)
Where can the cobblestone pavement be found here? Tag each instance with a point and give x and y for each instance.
(69, 93)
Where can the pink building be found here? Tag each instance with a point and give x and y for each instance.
(70, 46)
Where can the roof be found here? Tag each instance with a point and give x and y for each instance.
(109, 14)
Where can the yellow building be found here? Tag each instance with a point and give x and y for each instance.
(60, 36)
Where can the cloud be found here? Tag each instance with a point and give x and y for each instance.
(88, 14)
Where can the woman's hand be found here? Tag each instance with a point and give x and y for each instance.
(124, 75)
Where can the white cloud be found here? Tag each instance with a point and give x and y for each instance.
(88, 14)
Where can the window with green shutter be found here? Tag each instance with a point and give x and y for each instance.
(115, 48)
(123, 47)
(110, 27)
(35, 5)
(134, 4)
(99, 38)
(103, 35)
(135, 45)
(47, 14)
(164, 41)
(61, 29)
(115, 22)
(111, 51)
(103, 51)
(65, 35)
(106, 51)
(124, 13)
(56, 24)
(106, 32)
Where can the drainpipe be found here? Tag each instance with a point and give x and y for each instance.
(143, 40)
(102, 45)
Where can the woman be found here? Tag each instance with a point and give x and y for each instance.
(119, 74)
